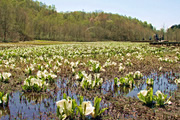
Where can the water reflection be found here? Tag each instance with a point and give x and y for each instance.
(23, 107)
(42, 106)
(4, 111)
(39, 106)
(160, 83)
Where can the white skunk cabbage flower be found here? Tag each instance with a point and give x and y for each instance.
(6, 75)
(177, 81)
(4, 98)
(62, 104)
(159, 92)
(87, 108)
(143, 92)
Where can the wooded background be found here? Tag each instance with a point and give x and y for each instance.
(24, 20)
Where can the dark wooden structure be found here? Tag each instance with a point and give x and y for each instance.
(165, 43)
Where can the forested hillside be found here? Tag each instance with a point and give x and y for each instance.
(27, 19)
(173, 33)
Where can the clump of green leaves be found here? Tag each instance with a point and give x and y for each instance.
(146, 96)
(4, 99)
(137, 75)
(79, 76)
(97, 111)
(124, 81)
(116, 82)
(128, 80)
(86, 108)
(29, 69)
(66, 107)
(34, 84)
(4, 77)
(149, 81)
(177, 81)
(95, 66)
(47, 76)
(160, 99)
(89, 83)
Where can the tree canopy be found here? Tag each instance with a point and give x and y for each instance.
(173, 33)
(27, 19)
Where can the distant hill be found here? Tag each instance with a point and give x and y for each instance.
(27, 19)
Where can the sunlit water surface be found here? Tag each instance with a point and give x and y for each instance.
(26, 106)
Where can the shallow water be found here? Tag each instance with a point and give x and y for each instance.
(160, 83)
(29, 106)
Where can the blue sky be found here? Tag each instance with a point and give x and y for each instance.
(157, 12)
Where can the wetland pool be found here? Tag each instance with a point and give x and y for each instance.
(32, 106)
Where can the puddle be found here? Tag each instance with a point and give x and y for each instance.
(30, 106)
(160, 83)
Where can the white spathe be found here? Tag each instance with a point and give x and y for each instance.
(143, 92)
(6, 75)
(4, 98)
(177, 81)
(159, 93)
(89, 108)
(61, 103)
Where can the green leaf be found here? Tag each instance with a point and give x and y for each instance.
(74, 104)
(84, 109)
(80, 110)
(97, 105)
(142, 98)
(115, 81)
(1, 94)
(102, 110)
(65, 109)
(64, 96)
(57, 111)
(81, 99)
